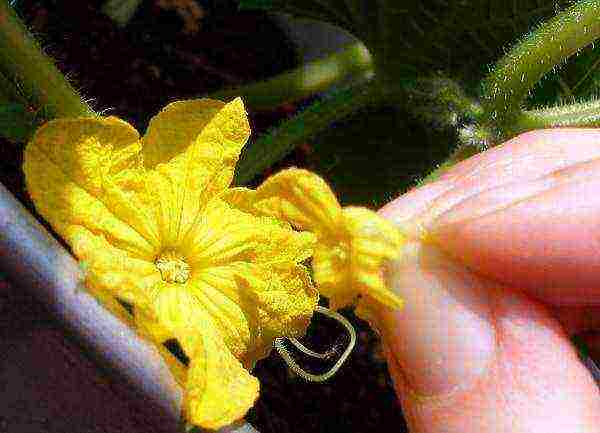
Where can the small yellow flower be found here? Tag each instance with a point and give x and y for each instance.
(352, 242)
(151, 221)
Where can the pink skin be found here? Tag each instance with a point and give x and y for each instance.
(510, 268)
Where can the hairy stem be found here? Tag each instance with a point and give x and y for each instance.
(571, 115)
(23, 62)
(308, 80)
(549, 45)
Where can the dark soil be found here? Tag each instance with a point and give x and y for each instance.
(133, 73)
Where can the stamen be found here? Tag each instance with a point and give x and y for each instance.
(279, 344)
(173, 267)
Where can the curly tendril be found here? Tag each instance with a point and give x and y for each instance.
(279, 344)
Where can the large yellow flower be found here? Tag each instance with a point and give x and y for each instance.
(218, 269)
(152, 220)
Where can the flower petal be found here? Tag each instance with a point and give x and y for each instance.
(252, 305)
(67, 164)
(221, 298)
(222, 235)
(188, 181)
(374, 241)
(219, 391)
(285, 304)
(176, 309)
(279, 243)
(241, 198)
(111, 270)
(225, 235)
(175, 128)
(150, 328)
(301, 198)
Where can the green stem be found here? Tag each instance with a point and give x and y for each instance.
(573, 115)
(279, 141)
(308, 80)
(548, 46)
(22, 61)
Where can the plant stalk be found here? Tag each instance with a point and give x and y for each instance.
(545, 48)
(23, 62)
(310, 79)
(585, 114)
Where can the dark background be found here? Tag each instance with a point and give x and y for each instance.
(48, 384)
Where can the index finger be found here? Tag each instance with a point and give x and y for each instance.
(526, 213)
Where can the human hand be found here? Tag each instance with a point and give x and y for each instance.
(510, 269)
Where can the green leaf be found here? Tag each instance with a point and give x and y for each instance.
(16, 123)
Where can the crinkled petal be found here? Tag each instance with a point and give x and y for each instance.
(133, 203)
(301, 198)
(252, 305)
(221, 298)
(225, 234)
(188, 181)
(219, 391)
(67, 165)
(175, 308)
(332, 273)
(371, 240)
(241, 198)
(352, 243)
(177, 126)
(284, 305)
(112, 270)
(279, 244)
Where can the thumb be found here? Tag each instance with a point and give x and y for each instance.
(469, 356)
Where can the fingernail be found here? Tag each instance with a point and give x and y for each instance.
(444, 338)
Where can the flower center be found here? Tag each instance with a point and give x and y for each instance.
(173, 267)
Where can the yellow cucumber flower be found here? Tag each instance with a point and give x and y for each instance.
(352, 242)
(150, 219)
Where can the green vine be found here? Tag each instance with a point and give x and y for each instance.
(549, 45)
(584, 114)
(23, 62)
(349, 64)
